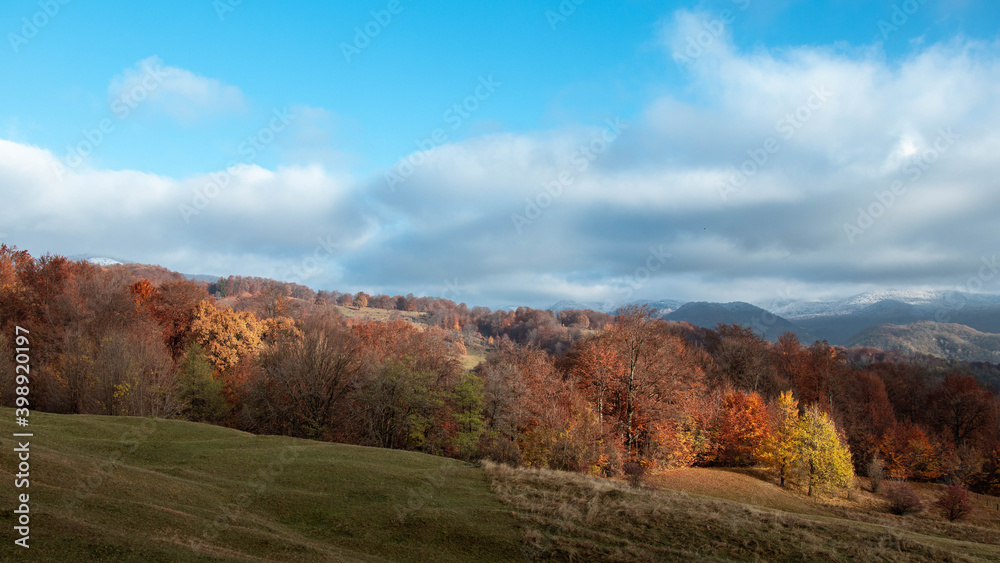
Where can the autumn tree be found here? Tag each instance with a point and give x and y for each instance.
(360, 300)
(641, 377)
(863, 411)
(741, 429)
(307, 378)
(526, 401)
(224, 335)
(133, 374)
(174, 305)
(910, 453)
(782, 447)
(578, 445)
(908, 388)
(398, 406)
(743, 360)
(14, 293)
(633, 337)
(824, 458)
(962, 409)
(597, 367)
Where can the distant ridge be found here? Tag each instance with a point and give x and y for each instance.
(931, 299)
(761, 321)
(660, 307)
(944, 340)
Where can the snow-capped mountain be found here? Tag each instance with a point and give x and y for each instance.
(98, 259)
(104, 261)
(922, 300)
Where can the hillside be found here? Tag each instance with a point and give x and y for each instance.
(181, 491)
(286, 499)
(936, 339)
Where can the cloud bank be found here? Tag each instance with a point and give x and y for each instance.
(799, 172)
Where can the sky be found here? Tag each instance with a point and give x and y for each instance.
(512, 153)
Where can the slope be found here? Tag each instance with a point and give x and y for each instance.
(132, 489)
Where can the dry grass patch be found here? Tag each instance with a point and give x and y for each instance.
(382, 315)
(574, 517)
(745, 486)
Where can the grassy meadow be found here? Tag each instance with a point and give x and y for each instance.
(181, 491)
(133, 489)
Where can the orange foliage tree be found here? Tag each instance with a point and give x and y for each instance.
(741, 429)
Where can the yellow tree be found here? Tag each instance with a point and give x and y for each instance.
(781, 448)
(823, 456)
(225, 335)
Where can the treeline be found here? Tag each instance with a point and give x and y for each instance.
(550, 331)
(582, 391)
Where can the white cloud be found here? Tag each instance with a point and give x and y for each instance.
(272, 216)
(174, 91)
(657, 184)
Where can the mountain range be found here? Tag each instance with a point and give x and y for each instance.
(944, 323)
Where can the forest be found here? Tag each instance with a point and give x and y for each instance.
(612, 395)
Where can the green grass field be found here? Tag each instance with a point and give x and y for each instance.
(131, 489)
(191, 492)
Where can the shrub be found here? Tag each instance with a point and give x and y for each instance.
(954, 503)
(500, 449)
(903, 499)
(876, 472)
(635, 473)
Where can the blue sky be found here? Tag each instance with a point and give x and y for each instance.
(185, 89)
